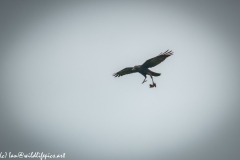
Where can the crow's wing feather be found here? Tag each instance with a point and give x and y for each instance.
(127, 70)
(157, 60)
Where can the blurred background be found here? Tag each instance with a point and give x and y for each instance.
(58, 95)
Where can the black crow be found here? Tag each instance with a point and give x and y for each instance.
(143, 69)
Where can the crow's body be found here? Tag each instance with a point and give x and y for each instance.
(143, 69)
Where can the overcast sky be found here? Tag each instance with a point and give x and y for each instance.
(58, 94)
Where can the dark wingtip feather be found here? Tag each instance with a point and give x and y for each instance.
(167, 53)
(116, 75)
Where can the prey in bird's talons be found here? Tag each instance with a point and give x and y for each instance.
(152, 85)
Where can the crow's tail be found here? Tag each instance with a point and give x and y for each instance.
(154, 73)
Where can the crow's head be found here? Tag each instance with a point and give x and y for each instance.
(135, 68)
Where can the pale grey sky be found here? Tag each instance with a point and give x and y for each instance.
(58, 93)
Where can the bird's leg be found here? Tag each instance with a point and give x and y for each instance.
(154, 84)
(144, 79)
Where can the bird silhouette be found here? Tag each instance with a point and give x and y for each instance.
(143, 69)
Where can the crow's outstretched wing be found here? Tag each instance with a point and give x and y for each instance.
(156, 60)
(127, 70)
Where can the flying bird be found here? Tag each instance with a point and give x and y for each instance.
(143, 69)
